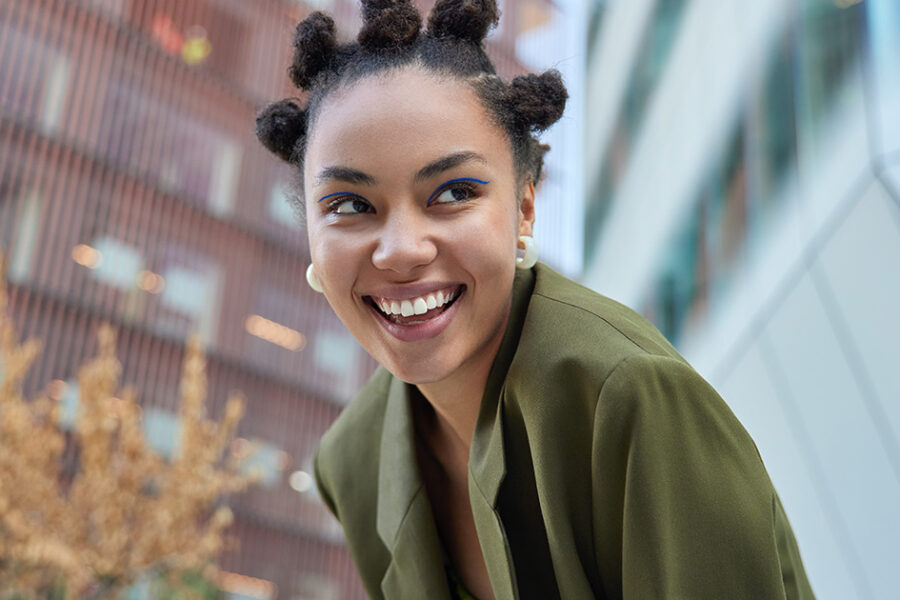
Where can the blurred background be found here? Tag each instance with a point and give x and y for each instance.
(730, 169)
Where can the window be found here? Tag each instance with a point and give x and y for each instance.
(34, 78)
(185, 155)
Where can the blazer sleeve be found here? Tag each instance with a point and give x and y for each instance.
(324, 493)
(683, 506)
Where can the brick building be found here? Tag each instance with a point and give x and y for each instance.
(133, 191)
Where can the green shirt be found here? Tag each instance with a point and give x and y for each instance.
(602, 466)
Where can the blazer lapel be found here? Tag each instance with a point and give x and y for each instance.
(487, 467)
(404, 519)
(487, 458)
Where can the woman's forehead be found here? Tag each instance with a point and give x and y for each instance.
(400, 116)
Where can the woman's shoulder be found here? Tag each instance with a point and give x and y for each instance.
(584, 357)
(570, 326)
(356, 433)
(579, 349)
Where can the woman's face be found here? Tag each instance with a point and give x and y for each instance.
(413, 221)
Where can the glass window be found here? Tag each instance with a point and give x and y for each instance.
(771, 131)
(596, 209)
(191, 295)
(33, 78)
(812, 75)
(652, 57)
(651, 61)
(828, 66)
(224, 177)
(597, 10)
(884, 43)
(118, 264)
(25, 235)
(189, 157)
(162, 429)
(702, 256)
(265, 460)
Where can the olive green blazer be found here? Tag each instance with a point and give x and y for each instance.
(602, 466)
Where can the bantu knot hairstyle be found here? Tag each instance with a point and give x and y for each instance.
(536, 101)
(314, 48)
(391, 37)
(281, 127)
(389, 24)
(464, 20)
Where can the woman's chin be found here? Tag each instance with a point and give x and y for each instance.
(417, 370)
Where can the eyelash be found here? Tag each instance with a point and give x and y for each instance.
(340, 199)
(465, 183)
(468, 184)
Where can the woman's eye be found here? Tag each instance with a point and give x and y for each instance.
(456, 193)
(349, 206)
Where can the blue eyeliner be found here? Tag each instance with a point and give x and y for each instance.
(446, 183)
(340, 194)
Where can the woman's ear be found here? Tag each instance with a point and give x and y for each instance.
(526, 208)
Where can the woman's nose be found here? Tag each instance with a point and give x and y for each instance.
(405, 243)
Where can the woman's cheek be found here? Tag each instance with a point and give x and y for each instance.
(332, 261)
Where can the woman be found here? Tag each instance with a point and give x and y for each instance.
(525, 437)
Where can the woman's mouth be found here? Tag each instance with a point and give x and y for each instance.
(418, 309)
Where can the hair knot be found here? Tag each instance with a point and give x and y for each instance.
(389, 24)
(281, 127)
(468, 20)
(314, 48)
(536, 101)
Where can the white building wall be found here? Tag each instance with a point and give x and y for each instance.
(686, 123)
(560, 44)
(804, 346)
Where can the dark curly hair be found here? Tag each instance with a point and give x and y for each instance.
(391, 38)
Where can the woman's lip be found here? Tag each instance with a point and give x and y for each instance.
(421, 331)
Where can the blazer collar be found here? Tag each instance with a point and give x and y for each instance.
(398, 475)
(404, 520)
(487, 459)
(487, 463)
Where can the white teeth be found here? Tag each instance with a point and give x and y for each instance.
(414, 306)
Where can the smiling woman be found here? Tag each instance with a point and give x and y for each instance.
(525, 437)
(401, 215)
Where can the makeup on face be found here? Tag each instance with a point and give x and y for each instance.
(343, 174)
(414, 235)
(458, 189)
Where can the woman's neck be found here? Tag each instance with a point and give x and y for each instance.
(456, 400)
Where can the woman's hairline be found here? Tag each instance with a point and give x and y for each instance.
(522, 175)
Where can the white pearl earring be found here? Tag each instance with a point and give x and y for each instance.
(312, 279)
(530, 256)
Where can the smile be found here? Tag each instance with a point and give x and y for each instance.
(418, 309)
(417, 317)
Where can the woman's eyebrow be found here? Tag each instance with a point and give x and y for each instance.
(345, 174)
(446, 163)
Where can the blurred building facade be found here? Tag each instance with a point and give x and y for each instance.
(133, 191)
(743, 184)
